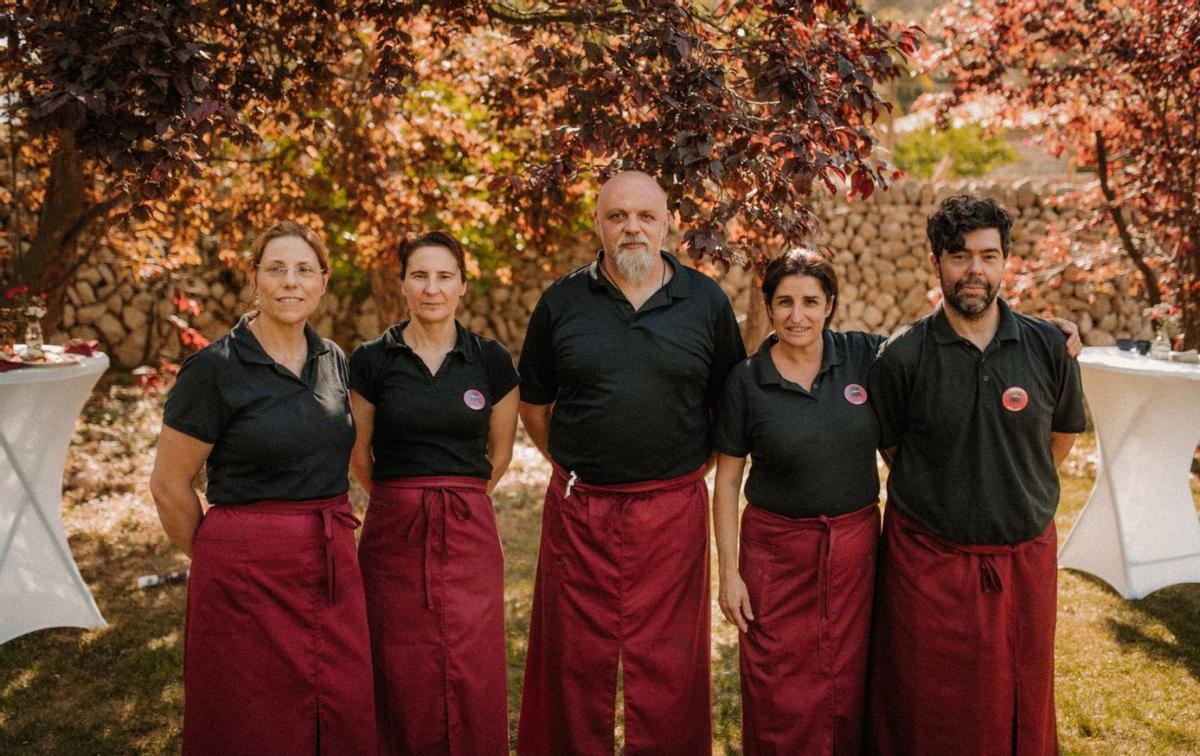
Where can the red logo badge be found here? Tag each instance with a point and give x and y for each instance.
(855, 394)
(474, 399)
(1015, 399)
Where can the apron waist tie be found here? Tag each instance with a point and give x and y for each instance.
(437, 501)
(989, 576)
(328, 518)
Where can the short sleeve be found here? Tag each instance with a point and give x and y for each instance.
(343, 368)
(730, 435)
(539, 381)
(1069, 416)
(363, 373)
(196, 407)
(887, 385)
(728, 350)
(502, 375)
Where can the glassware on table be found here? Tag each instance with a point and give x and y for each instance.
(1161, 348)
(33, 333)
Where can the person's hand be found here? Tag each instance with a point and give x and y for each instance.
(1074, 343)
(734, 600)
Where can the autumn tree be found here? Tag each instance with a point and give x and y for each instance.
(1114, 85)
(372, 118)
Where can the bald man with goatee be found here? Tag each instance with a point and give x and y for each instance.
(623, 361)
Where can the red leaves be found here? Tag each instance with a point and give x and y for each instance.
(185, 304)
(371, 120)
(861, 184)
(1126, 71)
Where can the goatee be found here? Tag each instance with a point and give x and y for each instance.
(970, 307)
(634, 266)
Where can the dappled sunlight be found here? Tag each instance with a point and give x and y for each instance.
(1128, 672)
(20, 681)
(168, 641)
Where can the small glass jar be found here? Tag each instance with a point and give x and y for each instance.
(33, 334)
(1160, 348)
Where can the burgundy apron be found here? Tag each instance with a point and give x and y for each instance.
(434, 578)
(804, 661)
(276, 653)
(622, 577)
(962, 654)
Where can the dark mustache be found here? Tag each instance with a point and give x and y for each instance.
(973, 282)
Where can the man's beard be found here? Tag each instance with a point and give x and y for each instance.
(970, 307)
(634, 265)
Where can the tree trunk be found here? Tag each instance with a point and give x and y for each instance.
(1118, 217)
(54, 248)
(384, 277)
(757, 325)
(1189, 290)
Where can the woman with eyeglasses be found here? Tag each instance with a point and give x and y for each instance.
(276, 649)
(436, 412)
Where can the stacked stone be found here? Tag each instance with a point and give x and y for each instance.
(880, 252)
(878, 248)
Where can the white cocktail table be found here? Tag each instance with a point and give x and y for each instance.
(40, 586)
(1139, 531)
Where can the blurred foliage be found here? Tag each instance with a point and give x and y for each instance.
(974, 153)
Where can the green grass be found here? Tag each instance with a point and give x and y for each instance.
(1128, 672)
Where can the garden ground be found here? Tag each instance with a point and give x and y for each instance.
(1128, 672)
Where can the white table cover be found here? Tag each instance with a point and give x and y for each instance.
(40, 585)
(1139, 531)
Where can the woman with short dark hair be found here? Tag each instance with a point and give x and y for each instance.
(276, 652)
(802, 592)
(436, 415)
(801, 596)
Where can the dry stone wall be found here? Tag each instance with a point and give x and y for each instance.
(878, 248)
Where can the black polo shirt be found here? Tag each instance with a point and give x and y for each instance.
(431, 424)
(274, 435)
(632, 389)
(973, 428)
(812, 452)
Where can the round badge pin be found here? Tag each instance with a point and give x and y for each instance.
(474, 399)
(1015, 399)
(855, 394)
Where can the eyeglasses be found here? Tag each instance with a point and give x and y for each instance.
(303, 271)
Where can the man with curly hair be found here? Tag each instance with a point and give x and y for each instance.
(977, 407)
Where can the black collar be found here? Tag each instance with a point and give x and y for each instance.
(944, 333)
(249, 350)
(393, 338)
(766, 373)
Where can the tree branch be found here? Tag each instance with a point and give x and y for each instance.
(92, 214)
(1118, 217)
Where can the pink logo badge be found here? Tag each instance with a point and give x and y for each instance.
(855, 394)
(474, 399)
(1015, 399)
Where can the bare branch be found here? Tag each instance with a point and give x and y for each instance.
(1118, 217)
